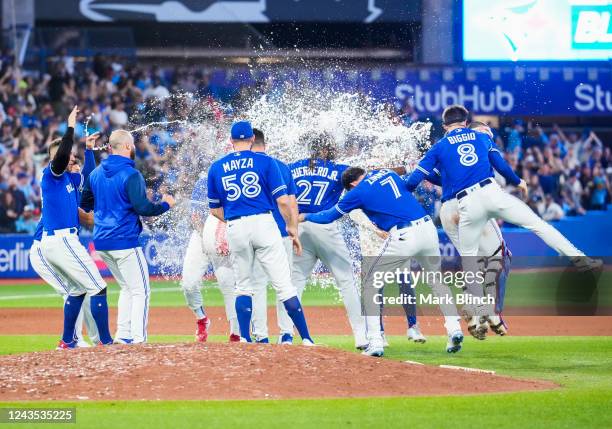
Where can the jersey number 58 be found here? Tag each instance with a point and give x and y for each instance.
(250, 186)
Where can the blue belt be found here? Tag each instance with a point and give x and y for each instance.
(403, 225)
(240, 217)
(480, 184)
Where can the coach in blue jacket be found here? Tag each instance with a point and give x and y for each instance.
(116, 192)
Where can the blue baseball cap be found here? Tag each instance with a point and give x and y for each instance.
(242, 130)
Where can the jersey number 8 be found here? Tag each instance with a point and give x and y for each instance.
(250, 186)
(467, 154)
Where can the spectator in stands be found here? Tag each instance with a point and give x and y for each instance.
(599, 189)
(28, 221)
(8, 212)
(572, 195)
(551, 211)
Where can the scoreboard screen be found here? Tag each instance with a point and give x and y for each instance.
(537, 30)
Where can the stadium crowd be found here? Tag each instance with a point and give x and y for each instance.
(568, 172)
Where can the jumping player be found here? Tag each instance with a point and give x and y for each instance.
(202, 250)
(494, 259)
(116, 192)
(55, 279)
(319, 184)
(465, 159)
(383, 197)
(243, 187)
(60, 245)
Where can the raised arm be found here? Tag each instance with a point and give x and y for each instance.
(60, 161)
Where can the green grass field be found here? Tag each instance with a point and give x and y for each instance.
(581, 365)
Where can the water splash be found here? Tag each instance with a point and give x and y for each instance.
(364, 132)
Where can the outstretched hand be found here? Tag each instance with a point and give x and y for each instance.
(90, 141)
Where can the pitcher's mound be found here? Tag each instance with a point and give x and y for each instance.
(231, 371)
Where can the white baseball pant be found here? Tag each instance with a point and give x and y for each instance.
(197, 258)
(325, 242)
(491, 201)
(67, 257)
(418, 241)
(253, 238)
(61, 286)
(489, 245)
(129, 267)
(259, 320)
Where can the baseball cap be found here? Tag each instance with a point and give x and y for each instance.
(242, 130)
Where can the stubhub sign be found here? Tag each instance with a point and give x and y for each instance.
(508, 90)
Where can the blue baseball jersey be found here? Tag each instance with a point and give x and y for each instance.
(60, 199)
(245, 183)
(463, 157)
(199, 201)
(318, 188)
(291, 190)
(88, 166)
(383, 197)
(39, 231)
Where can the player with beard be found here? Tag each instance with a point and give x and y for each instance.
(117, 193)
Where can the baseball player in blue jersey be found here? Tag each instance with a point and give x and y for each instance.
(60, 245)
(385, 200)
(259, 279)
(55, 279)
(319, 186)
(465, 159)
(117, 194)
(202, 250)
(243, 189)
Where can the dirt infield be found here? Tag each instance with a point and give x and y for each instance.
(232, 371)
(322, 321)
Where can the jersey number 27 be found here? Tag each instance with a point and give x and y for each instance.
(306, 187)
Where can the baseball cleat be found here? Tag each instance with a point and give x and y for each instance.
(262, 340)
(498, 325)
(454, 342)
(123, 341)
(201, 334)
(478, 327)
(415, 334)
(65, 346)
(286, 339)
(375, 349)
(584, 263)
(82, 344)
(361, 347)
(308, 342)
(234, 338)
